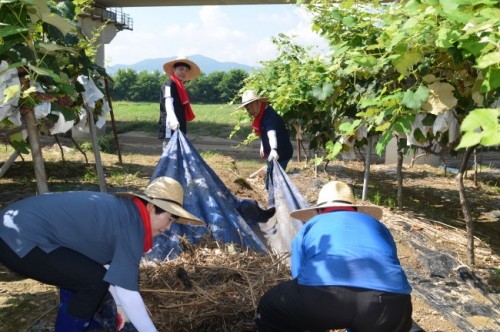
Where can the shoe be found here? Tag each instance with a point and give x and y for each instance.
(250, 210)
(66, 322)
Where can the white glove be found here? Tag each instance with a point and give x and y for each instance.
(122, 318)
(262, 155)
(273, 143)
(174, 125)
(273, 155)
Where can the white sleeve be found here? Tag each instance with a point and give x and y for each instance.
(273, 142)
(134, 307)
(169, 107)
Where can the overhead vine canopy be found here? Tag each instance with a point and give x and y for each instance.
(42, 55)
(423, 72)
(387, 64)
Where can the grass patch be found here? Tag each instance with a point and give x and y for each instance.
(215, 120)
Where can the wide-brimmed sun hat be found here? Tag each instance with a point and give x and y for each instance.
(335, 194)
(194, 71)
(249, 96)
(167, 194)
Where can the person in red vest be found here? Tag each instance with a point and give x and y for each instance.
(275, 141)
(175, 108)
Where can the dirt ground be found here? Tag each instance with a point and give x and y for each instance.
(430, 226)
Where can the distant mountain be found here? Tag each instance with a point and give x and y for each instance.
(207, 65)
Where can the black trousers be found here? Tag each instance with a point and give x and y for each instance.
(289, 307)
(64, 268)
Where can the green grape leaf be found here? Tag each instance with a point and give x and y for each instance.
(322, 92)
(481, 126)
(52, 48)
(7, 30)
(414, 100)
(45, 72)
(491, 80)
(333, 149)
(406, 61)
(382, 142)
(488, 60)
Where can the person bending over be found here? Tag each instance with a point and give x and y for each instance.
(87, 243)
(345, 272)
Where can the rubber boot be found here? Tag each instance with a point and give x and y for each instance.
(64, 321)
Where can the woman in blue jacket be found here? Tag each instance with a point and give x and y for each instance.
(345, 270)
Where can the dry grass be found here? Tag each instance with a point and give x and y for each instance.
(210, 287)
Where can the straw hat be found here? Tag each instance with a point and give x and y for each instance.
(194, 72)
(249, 96)
(335, 194)
(167, 194)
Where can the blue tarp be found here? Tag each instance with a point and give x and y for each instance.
(280, 230)
(205, 196)
(229, 219)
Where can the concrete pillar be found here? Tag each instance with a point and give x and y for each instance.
(107, 32)
(391, 156)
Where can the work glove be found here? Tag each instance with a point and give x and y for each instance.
(174, 125)
(273, 155)
(122, 318)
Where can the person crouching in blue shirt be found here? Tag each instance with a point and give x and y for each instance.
(345, 269)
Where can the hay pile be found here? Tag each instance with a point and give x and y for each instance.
(210, 287)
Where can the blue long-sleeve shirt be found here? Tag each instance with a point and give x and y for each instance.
(346, 248)
(105, 228)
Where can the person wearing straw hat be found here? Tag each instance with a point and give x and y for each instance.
(175, 107)
(345, 272)
(275, 141)
(88, 243)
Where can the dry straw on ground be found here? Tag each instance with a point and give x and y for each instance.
(210, 287)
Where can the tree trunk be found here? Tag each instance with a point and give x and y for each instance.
(469, 223)
(36, 151)
(399, 175)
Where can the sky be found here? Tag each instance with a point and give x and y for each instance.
(234, 33)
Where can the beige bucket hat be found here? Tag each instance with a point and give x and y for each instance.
(167, 194)
(249, 96)
(194, 72)
(335, 194)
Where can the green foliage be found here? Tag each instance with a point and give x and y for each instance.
(90, 175)
(481, 127)
(208, 154)
(107, 144)
(387, 63)
(414, 100)
(41, 42)
(230, 84)
(215, 88)
(86, 146)
(377, 198)
(121, 178)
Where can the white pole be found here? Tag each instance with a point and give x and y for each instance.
(97, 154)
(367, 168)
